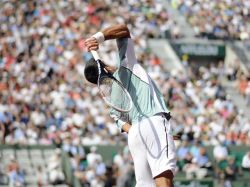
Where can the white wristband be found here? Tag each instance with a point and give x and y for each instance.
(99, 36)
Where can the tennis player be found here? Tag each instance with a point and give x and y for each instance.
(148, 123)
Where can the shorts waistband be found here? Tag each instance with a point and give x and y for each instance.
(166, 115)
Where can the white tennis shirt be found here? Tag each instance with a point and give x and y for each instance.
(147, 99)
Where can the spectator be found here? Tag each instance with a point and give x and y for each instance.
(231, 169)
(55, 173)
(100, 169)
(220, 153)
(125, 172)
(246, 161)
(198, 164)
(183, 150)
(193, 169)
(203, 160)
(3, 177)
(75, 151)
(119, 159)
(243, 84)
(94, 174)
(226, 171)
(16, 176)
(2, 132)
(248, 93)
(111, 175)
(42, 177)
(183, 154)
(93, 156)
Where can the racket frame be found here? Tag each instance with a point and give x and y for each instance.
(99, 65)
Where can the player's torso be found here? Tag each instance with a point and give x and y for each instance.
(147, 100)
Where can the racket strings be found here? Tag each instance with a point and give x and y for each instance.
(114, 94)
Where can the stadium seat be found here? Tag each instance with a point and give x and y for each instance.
(47, 154)
(31, 179)
(8, 153)
(22, 153)
(35, 153)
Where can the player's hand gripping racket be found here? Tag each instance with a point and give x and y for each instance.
(112, 91)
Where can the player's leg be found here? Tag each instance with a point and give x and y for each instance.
(143, 173)
(164, 179)
(160, 147)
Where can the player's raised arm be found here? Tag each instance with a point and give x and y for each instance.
(112, 32)
(115, 32)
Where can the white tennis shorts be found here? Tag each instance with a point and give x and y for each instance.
(152, 148)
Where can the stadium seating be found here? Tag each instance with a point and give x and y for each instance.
(29, 158)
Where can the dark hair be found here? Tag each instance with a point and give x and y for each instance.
(91, 71)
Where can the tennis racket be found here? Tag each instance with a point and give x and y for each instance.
(111, 90)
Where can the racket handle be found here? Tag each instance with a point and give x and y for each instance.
(95, 55)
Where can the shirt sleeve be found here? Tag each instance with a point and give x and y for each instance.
(122, 44)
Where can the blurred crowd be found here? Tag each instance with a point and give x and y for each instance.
(91, 170)
(16, 176)
(44, 98)
(203, 109)
(19, 170)
(194, 161)
(223, 19)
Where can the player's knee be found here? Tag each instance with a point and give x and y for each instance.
(163, 182)
(165, 179)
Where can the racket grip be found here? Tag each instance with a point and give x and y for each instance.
(95, 55)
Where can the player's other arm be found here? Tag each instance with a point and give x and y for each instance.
(109, 33)
(126, 127)
(121, 124)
